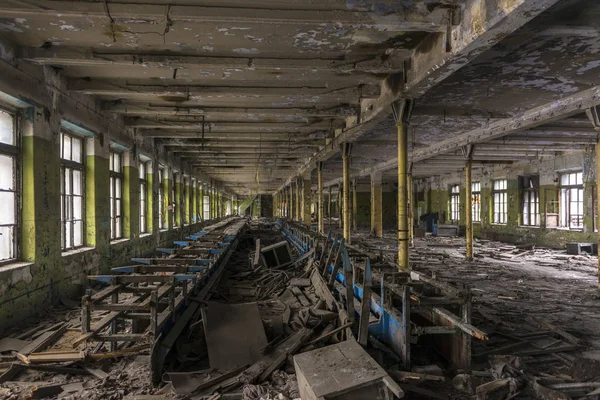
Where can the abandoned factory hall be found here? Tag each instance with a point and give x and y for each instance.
(299, 199)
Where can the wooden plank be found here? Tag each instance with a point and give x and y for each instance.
(44, 341)
(105, 293)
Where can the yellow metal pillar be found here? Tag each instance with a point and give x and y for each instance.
(376, 206)
(340, 209)
(321, 207)
(291, 203)
(402, 196)
(354, 207)
(411, 219)
(297, 214)
(346, 149)
(468, 213)
(329, 208)
(306, 198)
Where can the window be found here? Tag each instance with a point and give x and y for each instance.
(71, 191)
(455, 203)
(499, 199)
(161, 196)
(206, 208)
(143, 170)
(571, 200)
(8, 187)
(530, 206)
(476, 201)
(185, 189)
(116, 188)
(174, 201)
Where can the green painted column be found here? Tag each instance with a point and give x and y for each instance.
(201, 202)
(186, 201)
(131, 196)
(178, 198)
(41, 226)
(97, 197)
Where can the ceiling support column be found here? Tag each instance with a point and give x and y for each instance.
(346, 150)
(376, 205)
(411, 220)
(468, 152)
(306, 197)
(329, 208)
(354, 207)
(320, 205)
(291, 203)
(340, 209)
(401, 110)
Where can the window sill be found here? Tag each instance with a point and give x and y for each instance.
(580, 230)
(117, 241)
(14, 266)
(498, 224)
(76, 251)
(529, 226)
(146, 234)
(164, 230)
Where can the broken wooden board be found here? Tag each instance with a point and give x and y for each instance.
(343, 370)
(235, 335)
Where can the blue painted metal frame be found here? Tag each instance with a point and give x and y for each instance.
(390, 326)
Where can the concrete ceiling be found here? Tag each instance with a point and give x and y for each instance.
(254, 93)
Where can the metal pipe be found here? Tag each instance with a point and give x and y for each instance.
(346, 179)
(468, 212)
(402, 196)
(320, 218)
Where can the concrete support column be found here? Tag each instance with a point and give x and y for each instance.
(402, 196)
(468, 213)
(306, 198)
(194, 200)
(177, 199)
(97, 198)
(320, 206)
(168, 199)
(186, 201)
(376, 205)
(347, 206)
(291, 203)
(131, 196)
(150, 208)
(354, 207)
(201, 201)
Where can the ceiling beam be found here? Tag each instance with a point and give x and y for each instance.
(239, 126)
(197, 134)
(123, 13)
(220, 112)
(73, 56)
(107, 87)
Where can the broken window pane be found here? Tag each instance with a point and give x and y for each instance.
(7, 173)
(7, 130)
(7, 200)
(7, 240)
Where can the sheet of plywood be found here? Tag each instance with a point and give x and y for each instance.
(235, 335)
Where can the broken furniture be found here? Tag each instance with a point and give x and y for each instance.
(277, 255)
(343, 371)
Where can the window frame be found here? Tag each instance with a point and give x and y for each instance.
(116, 179)
(205, 206)
(13, 151)
(476, 202)
(500, 202)
(455, 203)
(69, 166)
(566, 201)
(530, 201)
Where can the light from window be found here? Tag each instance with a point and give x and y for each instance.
(143, 170)
(71, 191)
(531, 201)
(206, 208)
(571, 200)
(476, 201)
(116, 187)
(499, 199)
(455, 203)
(8, 184)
